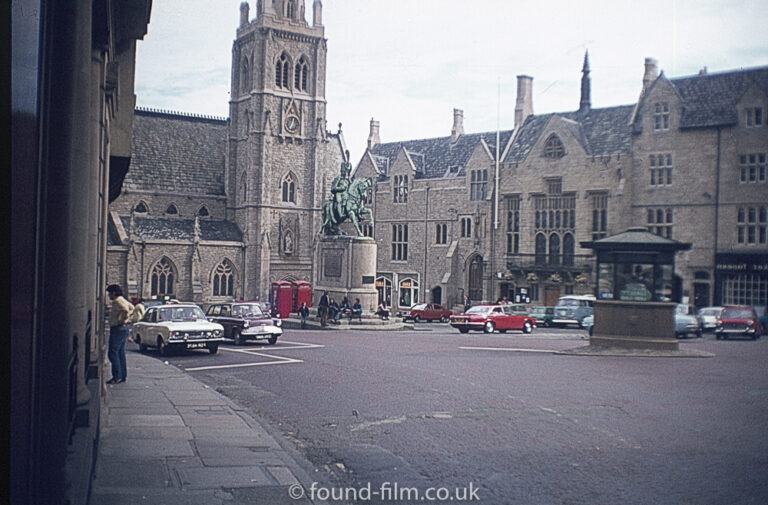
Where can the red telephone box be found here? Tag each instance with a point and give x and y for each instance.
(302, 292)
(282, 298)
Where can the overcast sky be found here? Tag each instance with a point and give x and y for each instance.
(409, 63)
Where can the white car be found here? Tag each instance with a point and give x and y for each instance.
(177, 326)
(708, 317)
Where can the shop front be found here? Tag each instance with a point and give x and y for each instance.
(741, 279)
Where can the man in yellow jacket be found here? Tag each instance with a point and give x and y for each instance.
(119, 318)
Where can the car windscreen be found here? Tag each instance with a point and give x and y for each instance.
(736, 314)
(184, 313)
(567, 302)
(247, 310)
(421, 306)
(478, 309)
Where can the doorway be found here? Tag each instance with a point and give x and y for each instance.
(551, 294)
(437, 295)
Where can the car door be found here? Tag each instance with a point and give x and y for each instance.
(499, 317)
(430, 313)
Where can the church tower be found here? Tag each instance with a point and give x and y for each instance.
(281, 158)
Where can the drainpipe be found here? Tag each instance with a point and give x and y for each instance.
(426, 241)
(716, 295)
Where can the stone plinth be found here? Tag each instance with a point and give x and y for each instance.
(640, 325)
(346, 266)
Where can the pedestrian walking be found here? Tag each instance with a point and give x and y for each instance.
(119, 318)
(322, 309)
(138, 311)
(467, 303)
(303, 313)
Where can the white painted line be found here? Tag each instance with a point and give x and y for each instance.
(507, 349)
(277, 347)
(283, 361)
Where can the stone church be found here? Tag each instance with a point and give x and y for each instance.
(216, 208)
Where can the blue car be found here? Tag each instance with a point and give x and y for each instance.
(686, 322)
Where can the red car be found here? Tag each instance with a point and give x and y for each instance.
(428, 312)
(738, 321)
(489, 318)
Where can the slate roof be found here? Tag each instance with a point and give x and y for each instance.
(433, 157)
(177, 153)
(710, 99)
(599, 131)
(181, 228)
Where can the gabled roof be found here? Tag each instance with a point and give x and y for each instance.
(433, 157)
(710, 99)
(177, 153)
(599, 131)
(181, 228)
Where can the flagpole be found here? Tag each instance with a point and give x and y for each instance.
(498, 141)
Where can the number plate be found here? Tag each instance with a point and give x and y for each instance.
(198, 345)
(458, 320)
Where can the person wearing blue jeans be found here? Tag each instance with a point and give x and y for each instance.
(356, 311)
(119, 317)
(303, 313)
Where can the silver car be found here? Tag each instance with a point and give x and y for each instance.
(708, 317)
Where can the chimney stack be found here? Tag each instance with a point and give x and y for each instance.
(651, 72)
(373, 136)
(244, 14)
(524, 103)
(458, 125)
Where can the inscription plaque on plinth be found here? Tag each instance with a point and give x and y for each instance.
(346, 266)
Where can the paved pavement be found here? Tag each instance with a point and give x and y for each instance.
(167, 438)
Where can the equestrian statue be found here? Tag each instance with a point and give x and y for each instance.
(346, 202)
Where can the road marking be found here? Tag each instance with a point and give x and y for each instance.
(280, 361)
(278, 347)
(507, 349)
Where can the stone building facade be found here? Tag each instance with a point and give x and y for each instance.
(687, 160)
(216, 208)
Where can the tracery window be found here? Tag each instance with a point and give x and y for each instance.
(300, 75)
(161, 279)
(281, 72)
(289, 189)
(554, 147)
(222, 283)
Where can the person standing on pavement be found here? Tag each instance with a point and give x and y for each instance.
(303, 313)
(119, 318)
(322, 308)
(138, 311)
(467, 303)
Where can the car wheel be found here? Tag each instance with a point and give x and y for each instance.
(142, 347)
(162, 347)
(272, 340)
(489, 327)
(213, 348)
(527, 327)
(416, 319)
(444, 319)
(238, 338)
(464, 330)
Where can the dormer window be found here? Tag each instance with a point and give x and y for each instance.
(554, 147)
(753, 116)
(661, 116)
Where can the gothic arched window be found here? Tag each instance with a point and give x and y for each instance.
(289, 189)
(281, 72)
(245, 76)
(141, 208)
(203, 212)
(172, 210)
(300, 75)
(162, 278)
(568, 249)
(223, 281)
(541, 249)
(554, 147)
(554, 249)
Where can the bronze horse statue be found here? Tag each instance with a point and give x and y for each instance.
(352, 208)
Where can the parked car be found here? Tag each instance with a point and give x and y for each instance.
(544, 315)
(686, 322)
(489, 318)
(738, 321)
(588, 323)
(245, 321)
(572, 309)
(177, 326)
(428, 312)
(708, 317)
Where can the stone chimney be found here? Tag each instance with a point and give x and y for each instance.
(703, 71)
(317, 13)
(524, 103)
(651, 72)
(373, 136)
(458, 125)
(244, 14)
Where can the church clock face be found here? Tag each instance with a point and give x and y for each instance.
(292, 124)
